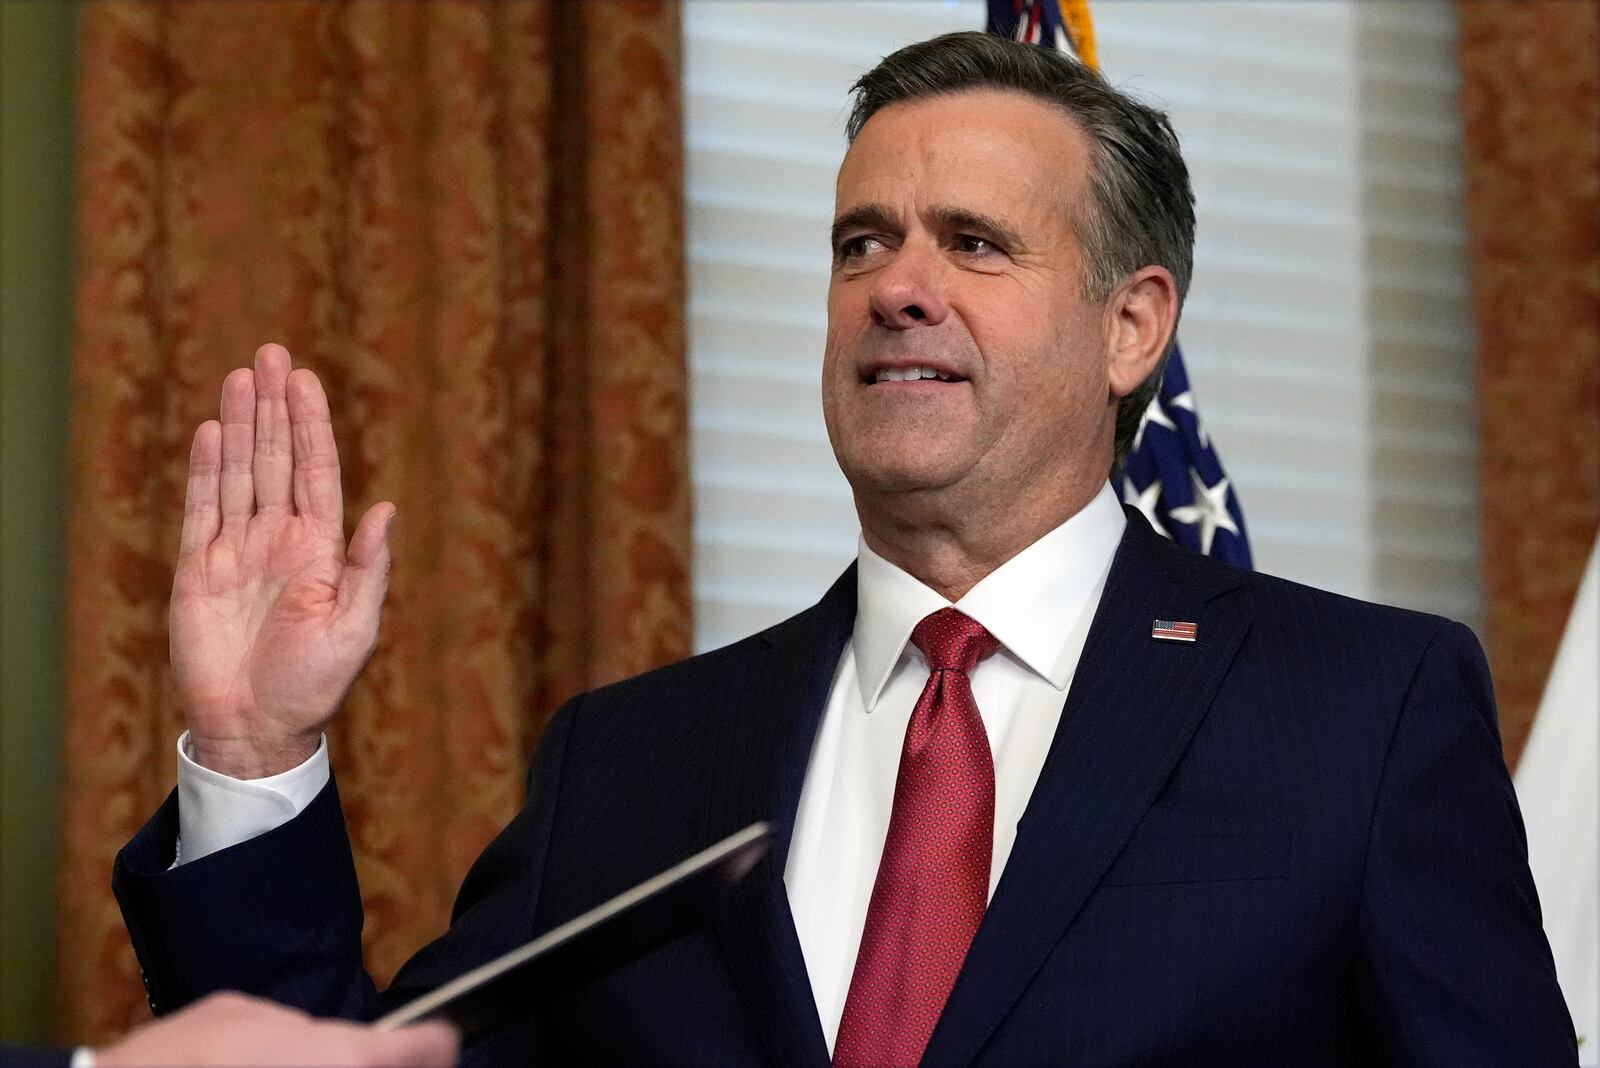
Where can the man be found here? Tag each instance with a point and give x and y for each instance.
(236, 1030)
(1049, 789)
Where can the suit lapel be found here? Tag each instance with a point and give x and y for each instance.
(1132, 708)
(760, 741)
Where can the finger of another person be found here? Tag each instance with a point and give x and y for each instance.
(202, 513)
(274, 455)
(238, 445)
(431, 1044)
(317, 494)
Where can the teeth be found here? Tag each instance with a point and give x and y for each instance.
(911, 374)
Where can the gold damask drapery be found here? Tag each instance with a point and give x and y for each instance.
(466, 217)
(1530, 72)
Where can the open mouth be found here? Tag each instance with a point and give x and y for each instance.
(910, 374)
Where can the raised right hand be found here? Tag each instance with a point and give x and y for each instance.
(271, 619)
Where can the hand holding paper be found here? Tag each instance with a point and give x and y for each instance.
(236, 1030)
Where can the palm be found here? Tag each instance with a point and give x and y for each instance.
(255, 624)
(270, 621)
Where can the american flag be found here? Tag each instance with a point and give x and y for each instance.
(1060, 24)
(1174, 630)
(1173, 475)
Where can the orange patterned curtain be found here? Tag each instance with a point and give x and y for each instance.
(1530, 72)
(466, 217)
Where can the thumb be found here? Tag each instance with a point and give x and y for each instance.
(425, 1045)
(366, 568)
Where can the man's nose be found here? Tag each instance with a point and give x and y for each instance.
(908, 291)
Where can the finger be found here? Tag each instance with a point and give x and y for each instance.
(366, 569)
(238, 445)
(274, 456)
(202, 511)
(317, 495)
(433, 1044)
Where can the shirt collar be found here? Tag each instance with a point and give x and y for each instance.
(1029, 603)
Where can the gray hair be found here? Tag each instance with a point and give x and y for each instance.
(1140, 208)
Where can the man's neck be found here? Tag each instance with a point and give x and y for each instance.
(952, 550)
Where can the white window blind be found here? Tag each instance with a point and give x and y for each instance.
(1327, 331)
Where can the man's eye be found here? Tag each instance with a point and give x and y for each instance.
(973, 246)
(856, 247)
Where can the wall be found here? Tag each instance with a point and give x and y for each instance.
(37, 39)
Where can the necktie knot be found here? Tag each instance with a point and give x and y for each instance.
(952, 641)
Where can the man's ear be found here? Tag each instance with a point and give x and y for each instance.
(1140, 316)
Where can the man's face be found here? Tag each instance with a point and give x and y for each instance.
(954, 251)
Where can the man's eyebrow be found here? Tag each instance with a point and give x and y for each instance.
(953, 219)
(965, 221)
(862, 217)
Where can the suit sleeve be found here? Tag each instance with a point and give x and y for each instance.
(1457, 968)
(33, 1057)
(280, 916)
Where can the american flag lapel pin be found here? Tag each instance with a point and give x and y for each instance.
(1174, 630)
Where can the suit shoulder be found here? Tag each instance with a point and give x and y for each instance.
(1281, 600)
(824, 625)
(1314, 618)
(1308, 626)
(1271, 594)
(688, 673)
(701, 673)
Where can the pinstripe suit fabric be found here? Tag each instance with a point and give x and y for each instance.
(1293, 842)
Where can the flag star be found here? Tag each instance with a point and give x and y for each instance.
(1145, 501)
(1153, 413)
(1185, 400)
(1210, 510)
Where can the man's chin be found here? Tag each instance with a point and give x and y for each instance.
(890, 476)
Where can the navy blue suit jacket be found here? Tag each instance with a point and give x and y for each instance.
(33, 1057)
(1293, 842)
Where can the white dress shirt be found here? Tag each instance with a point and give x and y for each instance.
(1038, 604)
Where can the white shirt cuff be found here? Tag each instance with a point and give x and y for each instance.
(216, 811)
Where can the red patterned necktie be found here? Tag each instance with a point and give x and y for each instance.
(933, 880)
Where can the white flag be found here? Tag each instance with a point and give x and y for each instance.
(1558, 786)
